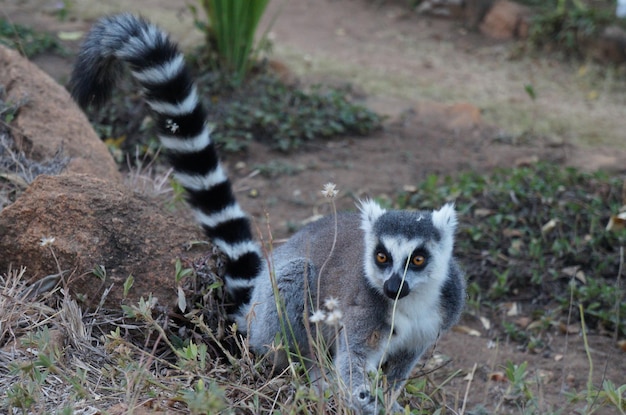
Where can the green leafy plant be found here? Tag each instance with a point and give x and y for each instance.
(567, 27)
(128, 283)
(595, 398)
(181, 272)
(599, 300)
(203, 400)
(283, 116)
(230, 33)
(100, 272)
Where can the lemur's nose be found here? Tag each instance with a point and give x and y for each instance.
(394, 287)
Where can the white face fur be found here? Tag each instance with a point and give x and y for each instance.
(405, 250)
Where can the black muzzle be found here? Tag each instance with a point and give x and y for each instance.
(394, 288)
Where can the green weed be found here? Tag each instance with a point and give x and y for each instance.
(202, 400)
(100, 272)
(596, 398)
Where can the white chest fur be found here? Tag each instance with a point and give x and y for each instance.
(416, 322)
(416, 325)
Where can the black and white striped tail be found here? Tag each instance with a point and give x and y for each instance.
(169, 90)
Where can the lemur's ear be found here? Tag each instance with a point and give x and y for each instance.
(370, 212)
(445, 219)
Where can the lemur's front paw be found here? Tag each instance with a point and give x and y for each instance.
(362, 395)
(363, 401)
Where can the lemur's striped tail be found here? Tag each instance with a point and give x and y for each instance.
(169, 90)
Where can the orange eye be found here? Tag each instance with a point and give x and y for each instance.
(381, 258)
(418, 260)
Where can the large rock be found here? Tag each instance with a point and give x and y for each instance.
(96, 222)
(506, 20)
(50, 120)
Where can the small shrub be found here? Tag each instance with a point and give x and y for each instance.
(568, 28)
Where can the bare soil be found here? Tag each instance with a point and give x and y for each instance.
(417, 70)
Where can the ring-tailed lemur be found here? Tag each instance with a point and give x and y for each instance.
(391, 274)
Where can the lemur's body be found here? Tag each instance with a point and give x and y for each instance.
(368, 262)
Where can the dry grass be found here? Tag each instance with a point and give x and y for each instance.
(55, 358)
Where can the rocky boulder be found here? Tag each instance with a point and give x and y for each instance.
(50, 121)
(86, 222)
(506, 20)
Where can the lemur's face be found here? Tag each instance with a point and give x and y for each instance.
(405, 250)
(399, 265)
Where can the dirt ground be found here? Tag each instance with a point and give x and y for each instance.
(455, 102)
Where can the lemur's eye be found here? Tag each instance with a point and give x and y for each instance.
(381, 258)
(418, 260)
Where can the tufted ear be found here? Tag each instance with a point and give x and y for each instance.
(445, 219)
(370, 212)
